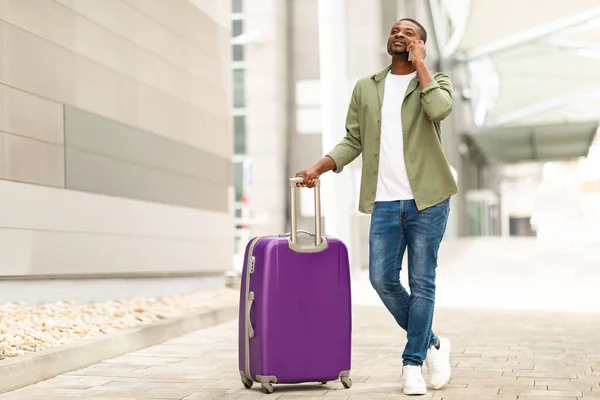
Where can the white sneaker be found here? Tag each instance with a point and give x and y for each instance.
(413, 380)
(438, 364)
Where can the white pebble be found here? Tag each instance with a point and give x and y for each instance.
(30, 328)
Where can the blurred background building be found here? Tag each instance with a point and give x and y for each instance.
(526, 105)
(153, 138)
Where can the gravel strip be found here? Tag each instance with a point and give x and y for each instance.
(30, 328)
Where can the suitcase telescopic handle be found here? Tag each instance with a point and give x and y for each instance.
(293, 217)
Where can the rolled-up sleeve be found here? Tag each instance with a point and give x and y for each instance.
(436, 98)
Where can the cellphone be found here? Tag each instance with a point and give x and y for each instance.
(410, 55)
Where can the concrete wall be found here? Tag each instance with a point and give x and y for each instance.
(266, 115)
(116, 138)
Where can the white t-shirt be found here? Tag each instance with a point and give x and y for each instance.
(392, 180)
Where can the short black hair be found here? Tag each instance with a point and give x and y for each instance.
(421, 28)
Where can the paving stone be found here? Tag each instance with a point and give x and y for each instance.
(463, 396)
(553, 398)
(494, 357)
(544, 393)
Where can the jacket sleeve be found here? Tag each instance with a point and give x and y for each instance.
(436, 98)
(351, 145)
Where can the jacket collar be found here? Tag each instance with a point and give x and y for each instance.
(382, 74)
(380, 78)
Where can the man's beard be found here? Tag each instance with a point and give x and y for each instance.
(397, 52)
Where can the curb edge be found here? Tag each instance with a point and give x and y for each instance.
(36, 367)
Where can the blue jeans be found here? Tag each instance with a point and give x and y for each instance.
(396, 225)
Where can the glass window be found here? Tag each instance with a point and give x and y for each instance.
(238, 52)
(237, 27)
(238, 180)
(237, 6)
(239, 130)
(238, 88)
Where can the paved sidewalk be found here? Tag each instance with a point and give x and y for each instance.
(496, 355)
(514, 354)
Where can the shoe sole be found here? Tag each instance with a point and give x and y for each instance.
(415, 392)
(438, 387)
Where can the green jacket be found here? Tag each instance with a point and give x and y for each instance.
(429, 174)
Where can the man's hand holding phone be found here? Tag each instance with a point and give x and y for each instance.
(416, 52)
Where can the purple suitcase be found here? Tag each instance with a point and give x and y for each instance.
(295, 321)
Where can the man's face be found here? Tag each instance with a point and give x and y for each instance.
(401, 35)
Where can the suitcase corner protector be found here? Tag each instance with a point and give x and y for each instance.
(266, 378)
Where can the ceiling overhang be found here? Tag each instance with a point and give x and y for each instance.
(542, 142)
(531, 64)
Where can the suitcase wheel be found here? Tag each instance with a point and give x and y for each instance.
(346, 381)
(324, 382)
(247, 382)
(267, 388)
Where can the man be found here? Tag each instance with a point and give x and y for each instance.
(394, 121)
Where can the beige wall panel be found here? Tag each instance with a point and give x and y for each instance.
(211, 133)
(60, 25)
(2, 46)
(151, 35)
(159, 74)
(163, 114)
(23, 53)
(2, 156)
(171, 117)
(47, 231)
(186, 20)
(156, 65)
(219, 11)
(32, 161)
(18, 107)
(101, 90)
(163, 42)
(94, 134)
(115, 15)
(209, 97)
(206, 66)
(131, 24)
(96, 89)
(57, 23)
(124, 179)
(31, 207)
(41, 253)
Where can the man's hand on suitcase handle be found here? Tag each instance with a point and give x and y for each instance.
(310, 175)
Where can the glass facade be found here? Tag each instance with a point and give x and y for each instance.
(239, 132)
